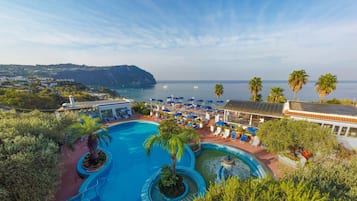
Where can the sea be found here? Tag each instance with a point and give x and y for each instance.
(233, 90)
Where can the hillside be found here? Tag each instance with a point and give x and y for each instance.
(107, 76)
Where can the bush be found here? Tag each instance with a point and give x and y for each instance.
(170, 185)
(29, 154)
(141, 108)
(102, 157)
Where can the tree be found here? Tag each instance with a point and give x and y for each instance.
(29, 154)
(218, 90)
(172, 138)
(255, 86)
(276, 95)
(296, 80)
(334, 177)
(268, 189)
(325, 85)
(287, 134)
(97, 133)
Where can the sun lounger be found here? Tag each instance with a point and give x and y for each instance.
(244, 138)
(234, 135)
(218, 131)
(226, 133)
(256, 141)
(212, 129)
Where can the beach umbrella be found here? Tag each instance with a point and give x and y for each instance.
(199, 101)
(209, 101)
(170, 102)
(221, 123)
(166, 110)
(187, 104)
(207, 107)
(220, 101)
(252, 130)
(160, 100)
(191, 99)
(178, 114)
(181, 98)
(192, 116)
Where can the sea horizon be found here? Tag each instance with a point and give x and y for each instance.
(229, 81)
(233, 90)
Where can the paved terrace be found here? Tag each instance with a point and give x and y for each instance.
(70, 181)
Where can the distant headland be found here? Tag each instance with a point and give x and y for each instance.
(106, 76)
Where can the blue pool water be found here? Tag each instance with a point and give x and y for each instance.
(130, 165)
(131, 168)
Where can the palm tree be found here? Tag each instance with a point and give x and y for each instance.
(276, 95)
(218, 90)
(325, 85)
(172, 138)
(296, 79)
(255, 86)
(97, 133)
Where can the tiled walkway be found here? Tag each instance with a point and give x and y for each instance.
(70, 181)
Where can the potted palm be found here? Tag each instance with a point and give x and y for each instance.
(172, 138)
(95, 133)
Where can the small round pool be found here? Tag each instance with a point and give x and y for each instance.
(209, 162)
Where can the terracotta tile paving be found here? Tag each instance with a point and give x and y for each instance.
(70, 180)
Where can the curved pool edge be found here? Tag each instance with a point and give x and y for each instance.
(130, 121)
(258, 168)
(91, 176)
(182, 170)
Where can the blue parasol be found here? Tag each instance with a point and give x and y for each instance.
(177, 114)
(207, 107)
(192, 117)
(166, 110)
(221, 123)
(252, 130)
(191, 99)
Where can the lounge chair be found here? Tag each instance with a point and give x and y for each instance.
(234, 135)
(212, 128)
(244, 138)
(218, 131)
(256, 141)
(226, 133)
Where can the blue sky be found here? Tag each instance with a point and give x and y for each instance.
(186, 40)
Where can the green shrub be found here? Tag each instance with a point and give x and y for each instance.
(140, 107)
(170, 185)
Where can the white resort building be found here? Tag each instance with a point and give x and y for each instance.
(107, 110)
(342, 119)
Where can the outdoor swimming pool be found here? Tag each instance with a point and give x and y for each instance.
(130, 164)
(131, 169)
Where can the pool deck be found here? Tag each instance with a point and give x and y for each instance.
(70, 181)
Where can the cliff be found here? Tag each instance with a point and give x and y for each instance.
(108, 76)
